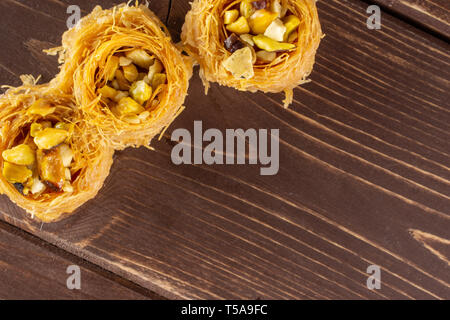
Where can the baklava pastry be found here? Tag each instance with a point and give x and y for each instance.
(251, 45)
(50, 162)
(129, 79)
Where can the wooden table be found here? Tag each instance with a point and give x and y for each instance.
(364, 176)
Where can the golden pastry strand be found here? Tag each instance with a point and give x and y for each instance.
(50, 162)
(250, 45)
(128, 78)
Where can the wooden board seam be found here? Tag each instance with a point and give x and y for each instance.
(78, 260)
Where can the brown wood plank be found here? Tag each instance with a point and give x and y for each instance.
(431, 14)
(30, 269)
(364, 179)
(28, 27)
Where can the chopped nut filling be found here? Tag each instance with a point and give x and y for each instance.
(134, 79)
(234, 43)
(41, 160)
(264, 26)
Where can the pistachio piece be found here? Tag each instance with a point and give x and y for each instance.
(111, 66)
(40, 107)
(230, 16)
(69, 127)
(158, 79)
(50, 137)
(267, 44)
(293, 37)
(140, 91)
(247, 38)
(128, 106)
(124, 61)
(35, 128)
(240, 26)
(15, 173)
(115, 84)
(123, 83)
(260, 20)
(22, 155)
(107, 92)
(246, 8)
(120, 95)
(140, 57)
(291, 23)
(130, 72)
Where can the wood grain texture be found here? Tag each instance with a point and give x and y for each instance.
(31, 270)
(431, 14)
(28, 27)
(364, 179)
